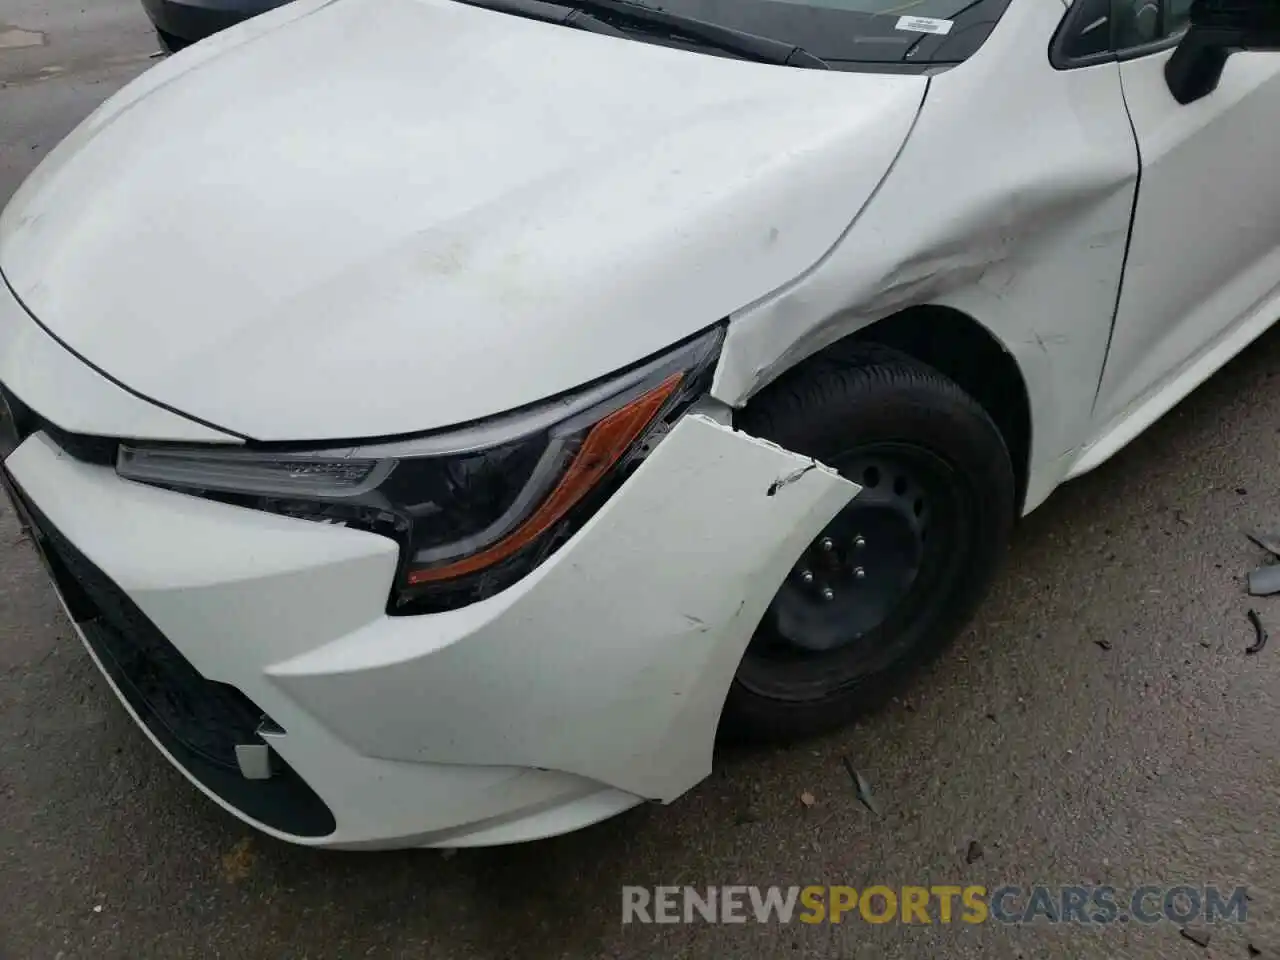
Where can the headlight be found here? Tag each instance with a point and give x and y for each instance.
(473, 509)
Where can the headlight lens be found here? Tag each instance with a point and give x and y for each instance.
(474, 509)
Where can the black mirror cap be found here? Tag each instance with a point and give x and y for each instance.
(1218, 29)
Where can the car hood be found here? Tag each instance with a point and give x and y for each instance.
(371, 217)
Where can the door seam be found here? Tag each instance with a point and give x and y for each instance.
(1128, 243)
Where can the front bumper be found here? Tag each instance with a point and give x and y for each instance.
(591, 685)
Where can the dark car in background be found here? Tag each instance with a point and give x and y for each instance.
(181, 23)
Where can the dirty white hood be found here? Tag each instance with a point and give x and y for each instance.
(372, 217)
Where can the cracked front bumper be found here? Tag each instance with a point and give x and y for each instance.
(593, 684)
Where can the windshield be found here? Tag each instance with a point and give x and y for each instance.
(847, 33)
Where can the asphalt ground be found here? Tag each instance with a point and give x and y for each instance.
(1099, 723)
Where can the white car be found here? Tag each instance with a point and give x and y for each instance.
(442, 419)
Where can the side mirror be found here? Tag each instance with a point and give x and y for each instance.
(1218, 29)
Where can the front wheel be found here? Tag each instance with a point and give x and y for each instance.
(893, 578)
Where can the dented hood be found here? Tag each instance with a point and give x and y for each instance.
(372, 217)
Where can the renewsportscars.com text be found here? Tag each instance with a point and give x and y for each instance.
(939, 903)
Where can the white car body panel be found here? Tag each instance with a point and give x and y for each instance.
(371, 218)
(76, 397)
(1032, 243)
(646, 204)
(441, 709)
(1203, 272)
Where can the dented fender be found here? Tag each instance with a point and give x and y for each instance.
(630, 692)
(1012, 209)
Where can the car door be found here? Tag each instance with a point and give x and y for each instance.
(1203, 267)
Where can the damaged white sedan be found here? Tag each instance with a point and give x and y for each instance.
(442, 418)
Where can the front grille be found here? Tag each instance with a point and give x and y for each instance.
(209, 718)
(199, 721)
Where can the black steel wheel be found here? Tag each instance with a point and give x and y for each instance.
(894, 576)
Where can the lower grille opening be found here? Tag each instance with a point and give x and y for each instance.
(199, 721)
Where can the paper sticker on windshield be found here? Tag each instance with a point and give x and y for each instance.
(924, 25)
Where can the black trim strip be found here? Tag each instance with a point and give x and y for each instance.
(98, 370)
(1147, 49)
(1079, 10)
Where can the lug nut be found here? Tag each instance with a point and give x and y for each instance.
(859, 542)
(828, 593)
(827, 544)
(806, 576)
(859, 573)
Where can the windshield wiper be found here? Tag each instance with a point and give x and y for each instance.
(557, 13)
(591, 15)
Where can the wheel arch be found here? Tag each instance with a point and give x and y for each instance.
(965, 351)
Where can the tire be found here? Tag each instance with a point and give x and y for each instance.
(932, 464)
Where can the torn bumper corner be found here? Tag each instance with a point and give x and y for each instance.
(613, 660)
(594, 683)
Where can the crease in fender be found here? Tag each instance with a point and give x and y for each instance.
(985, 237)
(827, 254)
